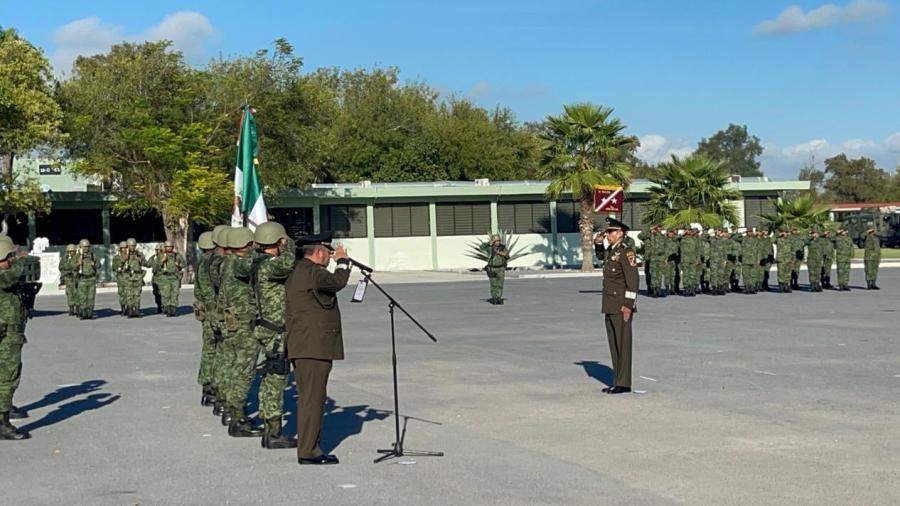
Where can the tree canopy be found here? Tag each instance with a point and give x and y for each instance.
(691, 190)
(735, 148)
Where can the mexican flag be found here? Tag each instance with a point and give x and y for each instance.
(248, 197)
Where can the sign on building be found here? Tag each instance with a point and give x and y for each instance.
(49, 170)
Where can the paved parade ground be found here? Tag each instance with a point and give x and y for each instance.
(744, 399)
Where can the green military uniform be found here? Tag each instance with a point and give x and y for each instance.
(271, 268)
(239, 314)
(784, 249)
(169, 269)
(153, 264)
(767, 258)
(689, 253)
(799, 243)
(12, 334)
(655, 257)
(87, 267)
(133, 269)
(116, 265)
(872, 258)
(814, 258)
(217, 270)
(496, 269)
(733, 259)
(705, 270)
(749, 262)
(67, 277)
(843, 252)
(827, 258)
(204, 303)
(620, 289)
(314, 340)
(672, 263)
(718, 279)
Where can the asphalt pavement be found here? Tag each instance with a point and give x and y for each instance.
(743, 399)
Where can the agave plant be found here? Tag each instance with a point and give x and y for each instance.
(799, 212)
(480, 249)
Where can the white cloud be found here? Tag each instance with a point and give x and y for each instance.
(188, 31)
(793, 19)
(784, 162)
(893, 142)
(656, 148)
(858, 144)
(481, 89)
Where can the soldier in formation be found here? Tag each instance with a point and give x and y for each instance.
(843, 253)
(119, 275)
(168, 269)
(67, 277)
(133, 263)
(872, 258)
(152, 263)
(86, 268)
(13, 318)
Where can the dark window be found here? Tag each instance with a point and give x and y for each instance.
(463, 219)
(401, 220)
(344, 221)
(524, 217)
(754, 207)
(296, 221)
(18, 229)
(567, 215)
(632, 211)
(68, 226)
(147, 227)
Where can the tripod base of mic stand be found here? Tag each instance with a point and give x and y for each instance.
(398, 451)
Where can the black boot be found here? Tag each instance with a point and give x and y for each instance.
(208, 398)
(71, 310)
(241, 427)
(9, 432)
(226, 418)
(273, 439)
(217, 408)
(16, 413)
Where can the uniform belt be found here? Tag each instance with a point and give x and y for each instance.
(266, 324)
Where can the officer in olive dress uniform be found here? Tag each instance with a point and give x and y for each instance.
(314, 339)
(620, 288)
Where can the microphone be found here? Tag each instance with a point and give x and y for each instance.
(360, 266)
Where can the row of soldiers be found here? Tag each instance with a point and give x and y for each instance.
(240, 301)
(80, 268)
(691, 262)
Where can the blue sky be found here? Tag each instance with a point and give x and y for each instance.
(810, 78)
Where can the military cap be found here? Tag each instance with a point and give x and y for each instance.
(169, 244)
(323, 239)
(495, 237)
(218, 239)
(269, 233)
(240, 237)
(205, 241)
(84, 242)
(123, 245)
(131, 241)
(614, 224)
(160, 246)
(71, 247)
(7, 247)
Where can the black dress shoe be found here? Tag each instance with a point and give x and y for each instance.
(321, 460)
(618, 390)
(606, 390)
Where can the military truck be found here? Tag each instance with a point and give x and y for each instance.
(885, 220)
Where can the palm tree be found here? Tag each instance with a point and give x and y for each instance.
(691, 190)
(798, 212)
(584, 147)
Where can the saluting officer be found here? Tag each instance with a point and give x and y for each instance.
(620, 288)
(314, 339)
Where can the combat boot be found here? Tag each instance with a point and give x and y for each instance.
(16, 413)
(71, 310)
(875, 286)
(217, 408)
(9, 431)
(241, 427)
(273, 439)
(226, 418)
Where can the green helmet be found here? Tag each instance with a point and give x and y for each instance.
(240, 237)
(123, 245)
(269, 232)
(7, 247)
(217, 237)
(84, 243)
(160, 246)
(131, 241)
(205, 241)
(71, 247)
(169, 244)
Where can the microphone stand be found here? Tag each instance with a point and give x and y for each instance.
(397, 449)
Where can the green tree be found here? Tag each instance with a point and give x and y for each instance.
(30, 122)
(800, 212)
(585, 147)
(135, 119)
(691, 190)
(855, 180)
(816, 178)
(736, 148)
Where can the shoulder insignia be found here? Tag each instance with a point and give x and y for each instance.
(632, 258)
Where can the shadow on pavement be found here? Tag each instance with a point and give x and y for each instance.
(47, 312)
(600, 372)
(71, 409)
(339, 423)
(64, 393)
